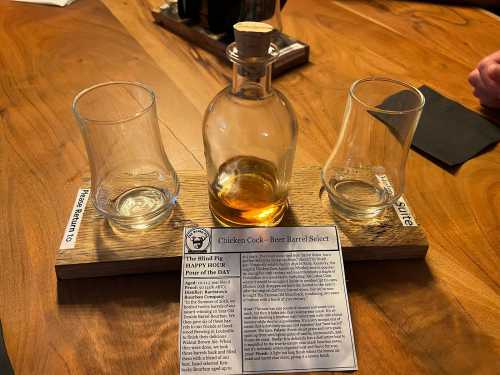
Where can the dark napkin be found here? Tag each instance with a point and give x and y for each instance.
(5, 366)
(447, 131)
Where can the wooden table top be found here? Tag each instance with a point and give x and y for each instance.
(438, 316)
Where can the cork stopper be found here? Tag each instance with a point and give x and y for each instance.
(252, 38)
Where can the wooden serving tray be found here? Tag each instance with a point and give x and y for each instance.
(102, 251)
(292, 52)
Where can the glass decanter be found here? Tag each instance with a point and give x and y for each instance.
(249, 134)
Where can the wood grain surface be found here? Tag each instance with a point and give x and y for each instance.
(438, 316)
(102, 249)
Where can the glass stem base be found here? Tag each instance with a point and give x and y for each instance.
(141, 208)
(357, 214)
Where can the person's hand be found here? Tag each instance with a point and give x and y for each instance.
(485, 80)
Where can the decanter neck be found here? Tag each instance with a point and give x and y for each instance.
(251, 80)
(252, 75)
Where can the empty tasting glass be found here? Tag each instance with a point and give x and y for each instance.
(133, 183)
(366, 170)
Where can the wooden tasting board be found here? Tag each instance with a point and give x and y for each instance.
(101, 251)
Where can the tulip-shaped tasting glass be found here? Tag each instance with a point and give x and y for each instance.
(365, 173)
(133, 182)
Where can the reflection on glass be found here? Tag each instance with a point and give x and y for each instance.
(366, 170)
(133, 182)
